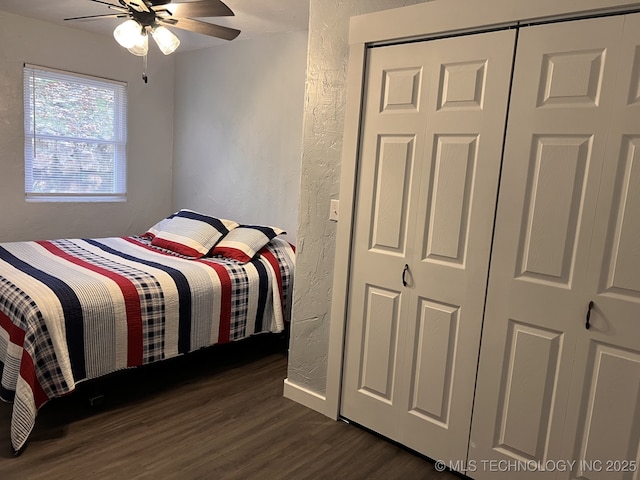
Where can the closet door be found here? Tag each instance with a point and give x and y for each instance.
(430, 158)
(542, 373)
(603, 420)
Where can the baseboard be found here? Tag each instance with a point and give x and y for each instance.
(305, 397)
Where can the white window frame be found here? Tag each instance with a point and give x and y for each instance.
(118, 190)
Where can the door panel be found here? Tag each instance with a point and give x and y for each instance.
(553, 196)
(394, 119)
(430, 158)
(563, 218)
(435, 343)
(462, 85)
(609, 431)
(528, 387)
(571, 78)
(379, 343)
(393, 169)
(449, 196)
(401, 89)
(454, 219)
(622, 257)
(606, 386)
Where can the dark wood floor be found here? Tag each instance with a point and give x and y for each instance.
(214, 414)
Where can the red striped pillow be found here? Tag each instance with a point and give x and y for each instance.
(155, 229)
(192, 234)
(244, 242)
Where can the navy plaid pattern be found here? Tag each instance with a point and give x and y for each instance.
(285, 260)
(150, 293)
(25, 315)
(239, 301)
(133, 259)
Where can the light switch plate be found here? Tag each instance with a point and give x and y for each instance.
(334, 209)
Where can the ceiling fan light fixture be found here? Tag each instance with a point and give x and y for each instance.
(167, 41)
(128, 33)
(141, 47)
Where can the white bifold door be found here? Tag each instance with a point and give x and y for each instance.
(558, 390)
(431, 147)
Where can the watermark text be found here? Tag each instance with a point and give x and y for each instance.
(512, 465)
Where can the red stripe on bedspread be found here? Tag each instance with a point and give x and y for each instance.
(271, 258)
(27, 368)
(225, 303)
(16, 334)
(28, 374)
(225, 291)
(131, 301)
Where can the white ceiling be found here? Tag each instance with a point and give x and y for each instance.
(254, 18)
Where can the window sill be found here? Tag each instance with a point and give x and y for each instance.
(75, 198)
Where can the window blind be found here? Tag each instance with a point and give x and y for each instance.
(75, 136)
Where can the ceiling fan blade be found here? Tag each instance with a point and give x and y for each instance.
(168, 20)
(106, 3)
(203, 8)
(137, 5)
(155, 3)
(226, 33)
(97, 17)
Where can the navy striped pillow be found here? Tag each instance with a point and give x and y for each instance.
(244, 242)
(192, 234)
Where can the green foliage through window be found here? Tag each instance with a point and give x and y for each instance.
(75, 136)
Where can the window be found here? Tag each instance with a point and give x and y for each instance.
(75, 137)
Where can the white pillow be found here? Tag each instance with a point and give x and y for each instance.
(192, 234)
(244, 242)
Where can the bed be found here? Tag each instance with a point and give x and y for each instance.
(77, 309)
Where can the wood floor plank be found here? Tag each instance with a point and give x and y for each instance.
(214, 414)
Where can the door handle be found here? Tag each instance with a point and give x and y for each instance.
(587, 325)
(404, 274)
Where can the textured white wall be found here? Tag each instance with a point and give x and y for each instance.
(150, 135)
(320, 173)
(238, 130)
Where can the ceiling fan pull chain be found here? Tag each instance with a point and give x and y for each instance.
(144, 69)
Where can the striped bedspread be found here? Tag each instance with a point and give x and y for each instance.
(76, 309)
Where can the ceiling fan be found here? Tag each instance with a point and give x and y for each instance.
(144, 17)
